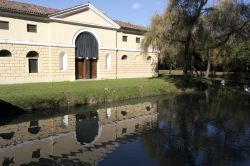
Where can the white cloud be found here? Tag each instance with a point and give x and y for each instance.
(136, 6)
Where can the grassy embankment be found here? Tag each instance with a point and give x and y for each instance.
(217, 75)
(53, 95)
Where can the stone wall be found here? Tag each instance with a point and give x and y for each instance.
(15, 69)
(135, 66)
(67, 123)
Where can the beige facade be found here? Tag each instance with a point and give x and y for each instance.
(56, 35)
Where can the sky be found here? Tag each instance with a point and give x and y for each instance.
(134, 11)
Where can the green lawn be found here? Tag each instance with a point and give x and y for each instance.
(173, 72)
(87, 92)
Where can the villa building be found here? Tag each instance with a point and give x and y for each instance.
(39, 44)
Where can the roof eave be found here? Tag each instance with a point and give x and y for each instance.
(23, 12)
(132, 30)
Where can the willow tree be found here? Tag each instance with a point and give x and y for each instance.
(225, 25)
(188, 27)
(173, 31)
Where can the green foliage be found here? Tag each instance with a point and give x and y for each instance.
(194, 34)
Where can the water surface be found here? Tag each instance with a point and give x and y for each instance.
(211, 128)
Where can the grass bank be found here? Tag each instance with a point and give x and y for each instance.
(53, 95)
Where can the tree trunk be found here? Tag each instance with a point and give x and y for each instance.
(186, 55)
(196, 71)
(170, 69)
(208, 65)
(201, 72)
(208, 69)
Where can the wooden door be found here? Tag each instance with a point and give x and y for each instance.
(94, 68)
(79, 69)
(84, 68)
(87, 69)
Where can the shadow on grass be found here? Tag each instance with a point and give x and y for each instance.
(181, 83)
(9, 112)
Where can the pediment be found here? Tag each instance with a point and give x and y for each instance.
(86, 14)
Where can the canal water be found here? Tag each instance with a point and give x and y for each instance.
(208, 128)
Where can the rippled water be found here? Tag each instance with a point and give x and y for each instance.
(211, 128)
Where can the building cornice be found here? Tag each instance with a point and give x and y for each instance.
(47, 44)
(85, 24)
(19, 42)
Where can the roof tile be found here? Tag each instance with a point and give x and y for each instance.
(25, 8)
(127, 25)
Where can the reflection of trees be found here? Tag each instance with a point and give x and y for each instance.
(195, 131)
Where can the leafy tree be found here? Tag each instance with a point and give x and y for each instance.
(225, 25)
(190, 27)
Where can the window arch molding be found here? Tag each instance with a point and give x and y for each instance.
(63, 61)
(32, 54)
(108, 61)
(149, 58)
(124, 57)
(5, 53)
(88, 31)
(32, 57)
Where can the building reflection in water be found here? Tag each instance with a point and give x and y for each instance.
(85, 138)
(188, 129)
(65, 121)
(7, 136)
(87, 127)
(34, 127)
(108, 112)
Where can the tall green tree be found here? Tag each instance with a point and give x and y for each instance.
(190, 27)
(224, 25)
(174, 29)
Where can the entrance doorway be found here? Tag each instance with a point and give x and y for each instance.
(86, 68)
(86, 56)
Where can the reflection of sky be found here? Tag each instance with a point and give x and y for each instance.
(211, 130)
(174, 115)
(200, 156)
(129, 154)
(161, 124)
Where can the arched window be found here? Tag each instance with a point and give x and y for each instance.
(65, 121)
(124, 113)
(5, 53)
(33, 61)
(148, 108)
(108, 112)
(7, 136)
(34, 127)
(149, 58)
(108, 62)
(124, 130)
(63, 63)
(124, 57)
(137, 57)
